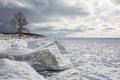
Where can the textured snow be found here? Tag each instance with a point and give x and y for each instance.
(93, 59)
(16, 70)
(37, 52)
(21, 46)
(51, 57)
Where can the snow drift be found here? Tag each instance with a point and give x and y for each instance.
(16, 70)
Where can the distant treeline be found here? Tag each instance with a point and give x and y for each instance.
(29, 34)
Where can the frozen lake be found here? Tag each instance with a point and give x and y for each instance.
(92, 59)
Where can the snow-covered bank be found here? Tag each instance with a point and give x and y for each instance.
(16, 70)
(7, 36)
(37, 52)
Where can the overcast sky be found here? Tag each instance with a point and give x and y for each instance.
(65, 18)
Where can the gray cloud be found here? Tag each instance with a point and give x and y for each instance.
(80, 28)
(38, 11)
(59, 17)
(109, 29)
(23, 3)
(56, 9)
(85, 28)
(51, 30)
(4, 29)
(116, 1)
(9, 8)
(1, 23)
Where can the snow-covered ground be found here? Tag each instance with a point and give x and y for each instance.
(92, 59)
(16, 70)
(40, 53)
(22, 46)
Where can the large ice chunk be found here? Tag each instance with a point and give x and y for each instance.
(60, 46)
(16, 70)
(51, 57)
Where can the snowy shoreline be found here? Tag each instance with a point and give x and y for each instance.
(93, 59)
(40, 53)
(7, 36)
(17, 70)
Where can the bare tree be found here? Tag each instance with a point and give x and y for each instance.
(18, 22)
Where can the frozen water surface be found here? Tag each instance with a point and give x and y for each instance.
(93, 59)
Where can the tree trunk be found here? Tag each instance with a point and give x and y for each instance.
(19, 31)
